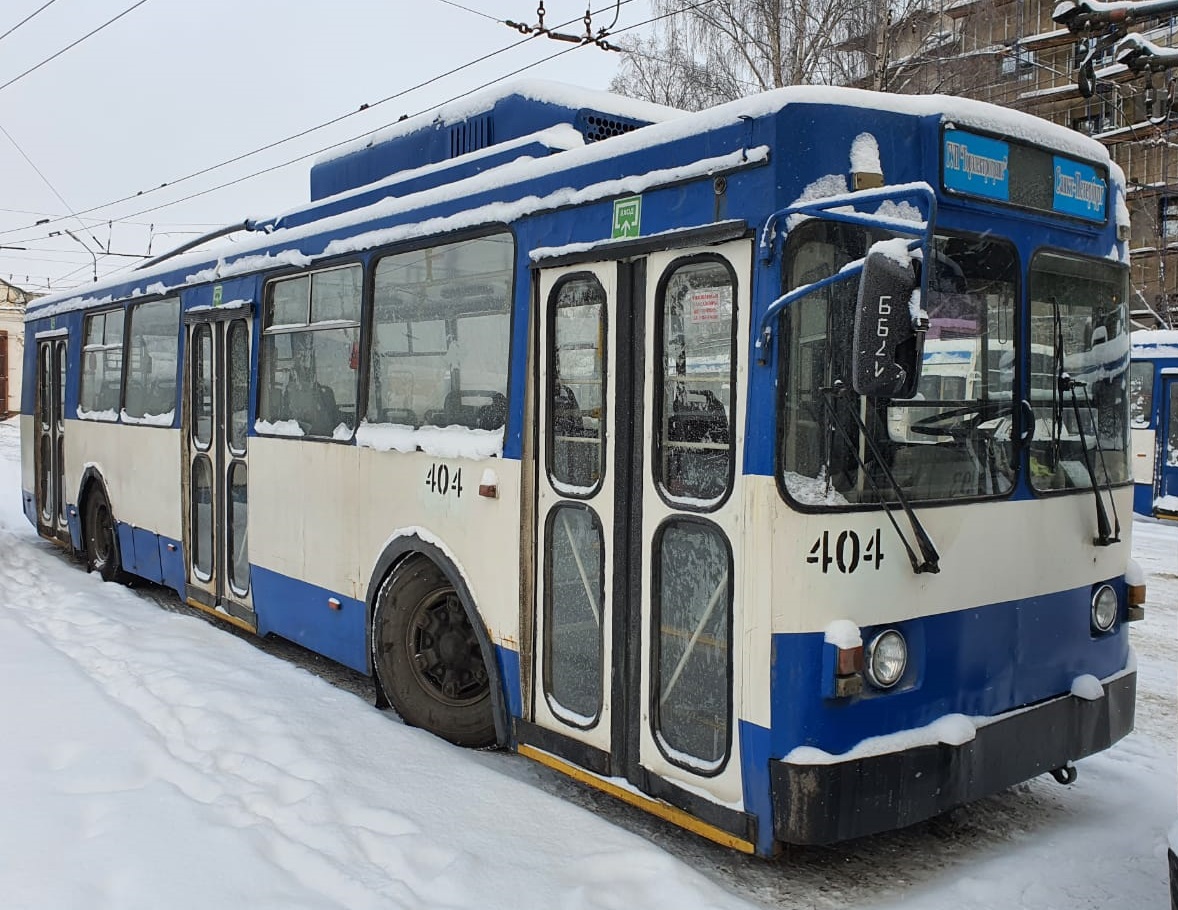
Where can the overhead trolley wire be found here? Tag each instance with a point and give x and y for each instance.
(73, 44)
(361, 135)
(306, 132)
(42, 9)
(469, 10)
(303, 157)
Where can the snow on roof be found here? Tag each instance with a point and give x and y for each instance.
(960, 112)
(1155, 343)
(532, 89)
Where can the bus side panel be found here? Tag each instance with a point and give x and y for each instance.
(322, 619)
(28, 466)
(141, 468)
(1142, 443)
(322, 513)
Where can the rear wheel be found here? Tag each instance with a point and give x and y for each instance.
(98, 529)
(427, 657)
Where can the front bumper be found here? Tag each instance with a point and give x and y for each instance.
(821, 804)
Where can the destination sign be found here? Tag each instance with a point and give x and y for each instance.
(1014, 174)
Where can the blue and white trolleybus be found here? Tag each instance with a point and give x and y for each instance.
(598, 431)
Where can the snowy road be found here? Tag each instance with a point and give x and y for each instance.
(153, 760)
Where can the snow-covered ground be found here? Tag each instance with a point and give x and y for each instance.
(153, 760)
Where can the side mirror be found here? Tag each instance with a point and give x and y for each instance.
(888, 346)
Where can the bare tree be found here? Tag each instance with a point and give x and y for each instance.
(701, 54)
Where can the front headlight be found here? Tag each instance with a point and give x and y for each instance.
(887, 658)
(1104, 608)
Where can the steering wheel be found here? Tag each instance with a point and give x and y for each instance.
(931, 425)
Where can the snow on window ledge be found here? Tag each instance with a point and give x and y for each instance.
(441, 442)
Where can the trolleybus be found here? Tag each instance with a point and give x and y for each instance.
(567, 419)
(1153, 400)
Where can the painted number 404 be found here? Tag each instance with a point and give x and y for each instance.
(443, 481)
(846, 551)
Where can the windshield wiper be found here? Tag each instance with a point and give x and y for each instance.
(1105, 535)
(928, 551)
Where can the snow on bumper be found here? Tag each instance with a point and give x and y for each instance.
(820, 803)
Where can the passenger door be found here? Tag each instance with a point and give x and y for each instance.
(635, 673)
(50, 457)
(216, 483)
(1166, 503)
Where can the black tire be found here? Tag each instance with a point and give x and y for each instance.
(98, 533)
(427, 657)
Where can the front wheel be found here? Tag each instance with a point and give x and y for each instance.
(98, 529)
(427, 657)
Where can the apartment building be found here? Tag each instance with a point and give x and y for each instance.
(12, 340)
(1011, 53)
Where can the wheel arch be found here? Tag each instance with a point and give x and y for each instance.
(92, 481)
(402, 546)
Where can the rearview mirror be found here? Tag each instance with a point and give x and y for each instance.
(887, 343)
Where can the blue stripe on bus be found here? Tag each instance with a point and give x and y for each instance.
(755, 743)
(172, 565)
(978, 662)
(299, 611)
(1143, 499)
(509, 674)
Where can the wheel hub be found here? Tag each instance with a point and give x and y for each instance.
(446, 654)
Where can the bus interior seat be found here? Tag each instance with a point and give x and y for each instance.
(698, 417)
(161, 397)
(107, 398)
(477, 416)
(401, 416)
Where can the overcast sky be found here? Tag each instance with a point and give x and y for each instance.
(176, 86)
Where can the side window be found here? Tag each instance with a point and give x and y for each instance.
(153, 346)
(102, 367)
(1140, 393)
(310, 354)
(696, 395)
(440, 336)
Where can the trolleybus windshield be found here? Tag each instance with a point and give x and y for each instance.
(953, 439)
(1078, 312)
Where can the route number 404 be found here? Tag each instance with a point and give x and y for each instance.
(443, 481)
(846, 551)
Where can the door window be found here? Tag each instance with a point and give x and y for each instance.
(574, 609)
(202, 517)
(1172, 440)
(236, 522)
(239, 385)
(202, 386)
(695, 393)
(577, 386)
(1140, 394)
(692, 605)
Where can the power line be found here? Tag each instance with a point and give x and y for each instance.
(299, 135)
(335, 145)
(352, 139)
(466, 9)
(27, 18)
(89, 34)
(40, 173)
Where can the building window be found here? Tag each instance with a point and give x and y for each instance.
(1168, 217)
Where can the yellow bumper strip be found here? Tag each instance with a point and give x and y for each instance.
(653, 806)
(224, 617)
